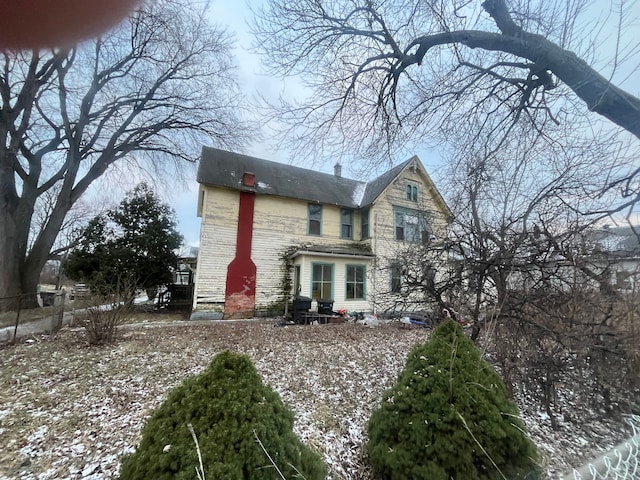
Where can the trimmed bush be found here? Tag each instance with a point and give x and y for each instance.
(228, 406)
(448, 417)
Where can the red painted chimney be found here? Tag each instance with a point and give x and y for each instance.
(248, 179)
(240, 294)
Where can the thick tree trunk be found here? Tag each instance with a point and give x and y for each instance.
(17, 284)
(19, 269)
(10, 283)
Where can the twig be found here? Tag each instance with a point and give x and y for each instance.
(199, 473)
(479, 445)
(268, 456)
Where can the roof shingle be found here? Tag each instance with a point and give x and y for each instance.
(225, 169)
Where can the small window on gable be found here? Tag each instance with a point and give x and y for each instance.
(412, 192)
(315, 219)
(346, 223)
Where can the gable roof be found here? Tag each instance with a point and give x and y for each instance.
(377, 186)
(225, 169)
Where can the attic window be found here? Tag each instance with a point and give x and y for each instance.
(412, 192)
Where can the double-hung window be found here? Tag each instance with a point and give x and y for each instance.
(315, 219)
(396, 278)
(364, 224)
(322, 281)
(355, 282)
(346, 223)
(410, 225)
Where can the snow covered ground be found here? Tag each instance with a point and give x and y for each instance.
(68, 411)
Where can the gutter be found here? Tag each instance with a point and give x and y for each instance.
(326, 254)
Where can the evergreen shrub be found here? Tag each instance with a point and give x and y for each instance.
(228, 406)
(448, 417)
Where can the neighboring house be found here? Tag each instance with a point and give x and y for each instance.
(617, 252)
(271, 231)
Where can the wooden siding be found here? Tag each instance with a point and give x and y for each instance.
(279, 223)
(217, 247)
(383, 240)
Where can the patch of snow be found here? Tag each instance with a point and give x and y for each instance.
(358, 193)
(263, 185)
(331, 376)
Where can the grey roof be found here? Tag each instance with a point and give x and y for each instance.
(624, 239)
(377, 186)
(222, 168)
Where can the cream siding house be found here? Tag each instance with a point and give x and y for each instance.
(272, 231)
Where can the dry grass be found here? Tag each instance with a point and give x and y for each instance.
(70, 411)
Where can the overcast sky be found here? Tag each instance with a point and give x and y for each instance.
(235, 15)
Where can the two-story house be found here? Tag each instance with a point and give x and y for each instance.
(271, 231)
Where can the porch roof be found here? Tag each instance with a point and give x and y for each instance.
(333, 251)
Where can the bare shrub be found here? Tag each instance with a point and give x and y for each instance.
(106, 311)
(103, 320)
(580, 346)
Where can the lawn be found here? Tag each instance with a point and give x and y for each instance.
(68, 410)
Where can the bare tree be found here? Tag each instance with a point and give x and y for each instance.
(511, 88)
(149, 93)
(385, 75)
(532, 275)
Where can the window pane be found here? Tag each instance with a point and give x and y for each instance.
(412, 229)
(408, 192)
(399, 221)
(327, 273)
(317, 273)
(315, 210)
(326, 291)
(396, 278)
